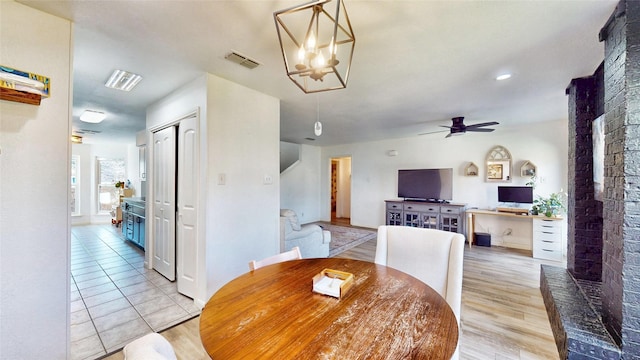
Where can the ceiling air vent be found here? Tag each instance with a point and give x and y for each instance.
(242, 60)
(87, 131)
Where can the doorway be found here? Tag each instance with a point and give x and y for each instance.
(341, 190)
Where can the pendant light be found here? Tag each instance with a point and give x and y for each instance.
(317, 127)
(316, 41)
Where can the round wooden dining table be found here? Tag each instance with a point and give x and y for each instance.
(272, 313)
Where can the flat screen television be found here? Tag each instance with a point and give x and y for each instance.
(515, 194)
(426, 184)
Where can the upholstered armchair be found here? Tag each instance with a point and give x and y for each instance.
(312, 240)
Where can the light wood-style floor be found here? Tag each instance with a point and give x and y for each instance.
(503, 315)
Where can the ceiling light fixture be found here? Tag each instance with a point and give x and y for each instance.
(123, 80)
(317, 127)
(317, 46)
(93, 117)
(76, 139)
(503, 77)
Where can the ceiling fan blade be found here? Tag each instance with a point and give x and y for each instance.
(482, 124)
(433, 132)
(460, 128)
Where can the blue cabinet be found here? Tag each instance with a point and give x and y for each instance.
(138, 231)
(133, 221)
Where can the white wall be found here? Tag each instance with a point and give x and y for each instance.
(374, 174)
(239, 138)
(244, 214)
(35, 154)
(85, 192)
(289, 155)
(88, 155)
(133, 168)
(300, 185)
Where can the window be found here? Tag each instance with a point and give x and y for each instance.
(110, 171)
(75, 185)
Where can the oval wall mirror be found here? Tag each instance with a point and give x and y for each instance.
(499, 165)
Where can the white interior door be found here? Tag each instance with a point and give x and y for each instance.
(187, 256)
(343, 186)
(164, 197)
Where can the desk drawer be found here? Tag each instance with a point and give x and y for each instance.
(547, 254)
(546, 236)
(548, 244)
(421, 207)
(547, 239)
(543, 225)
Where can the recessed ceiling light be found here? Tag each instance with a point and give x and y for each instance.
(91, 116)
(123, 80)
(503, 77)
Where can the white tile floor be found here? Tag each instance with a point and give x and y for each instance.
(114, 299)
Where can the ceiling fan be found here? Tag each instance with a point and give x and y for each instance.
(458, 127)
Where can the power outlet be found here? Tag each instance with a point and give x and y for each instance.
(267, 180)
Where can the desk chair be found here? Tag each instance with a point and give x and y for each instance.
(293, 254)
(433, 256)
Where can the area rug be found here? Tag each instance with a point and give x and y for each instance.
(344, 238)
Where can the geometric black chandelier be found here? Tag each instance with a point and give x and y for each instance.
(317, 42)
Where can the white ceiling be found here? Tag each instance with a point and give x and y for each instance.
(416, 64)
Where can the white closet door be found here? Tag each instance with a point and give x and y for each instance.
(164, 207)
(187, 256)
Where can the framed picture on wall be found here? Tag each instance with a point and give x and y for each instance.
(494, 171)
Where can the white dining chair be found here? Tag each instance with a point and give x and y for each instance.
(433, 256)
(152, 346)
(293, 254)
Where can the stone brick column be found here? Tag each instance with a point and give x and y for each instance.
(584, 220)
(621, 213)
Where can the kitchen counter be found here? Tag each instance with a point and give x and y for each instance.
(134, 205)
(140, 201)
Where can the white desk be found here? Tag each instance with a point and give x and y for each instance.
(547, 237)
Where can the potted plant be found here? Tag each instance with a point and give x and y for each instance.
(548, 206)
(120, 187)
(533, 181)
